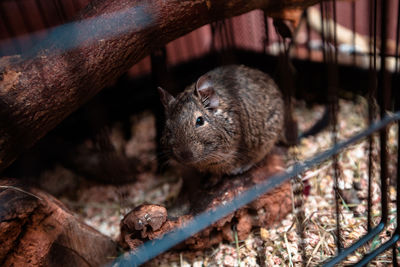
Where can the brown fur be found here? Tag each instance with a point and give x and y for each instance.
(243, 117)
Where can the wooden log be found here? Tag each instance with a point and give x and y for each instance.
(148, 222)
(38, 90)
(38, 230)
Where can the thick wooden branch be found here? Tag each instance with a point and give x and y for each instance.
(149, 222)
(37, 91)
(38, 230)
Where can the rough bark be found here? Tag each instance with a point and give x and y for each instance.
(37, 91)
(37, 230)
(148, 221)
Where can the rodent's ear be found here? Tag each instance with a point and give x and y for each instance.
(165, 97)
(205, 90)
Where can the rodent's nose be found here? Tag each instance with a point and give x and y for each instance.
(186, 154)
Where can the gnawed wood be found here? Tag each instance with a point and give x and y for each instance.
(148, 222)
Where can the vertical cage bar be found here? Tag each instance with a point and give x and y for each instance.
(323, 32)
(383, 97)
(396, 68)
(394, 258)
(371, 104)
(308, 31)
(24, 15)
(42, 13)
(231, 32)
(397, 107)
(159, 73)
(266, 30)
(335, 37)
(226, 34)
(333, 77)
(330, 59)
(62, 16)
(353, 27)
(213, 27)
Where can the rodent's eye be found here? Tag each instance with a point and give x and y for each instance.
(199, 121)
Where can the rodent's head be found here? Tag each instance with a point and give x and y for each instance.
(198, 130)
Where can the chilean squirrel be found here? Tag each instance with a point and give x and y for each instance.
(226, 122)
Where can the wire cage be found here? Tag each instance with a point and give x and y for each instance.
(338, 58)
